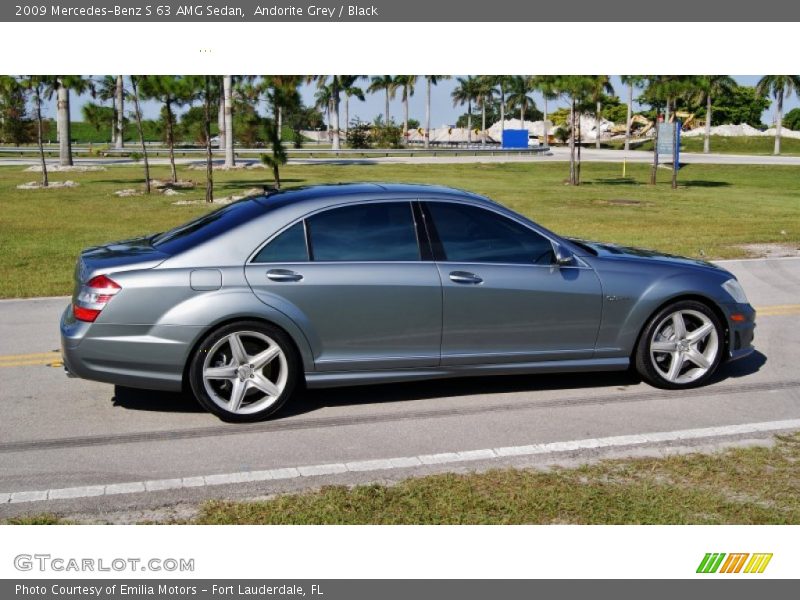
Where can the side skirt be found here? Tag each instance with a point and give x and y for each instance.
(345, 378)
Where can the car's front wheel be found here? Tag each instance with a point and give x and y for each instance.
(681, 346)
(244, 371)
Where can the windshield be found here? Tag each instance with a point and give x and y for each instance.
(207, 226)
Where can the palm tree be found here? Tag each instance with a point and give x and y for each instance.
(546, 86)
(520, 96)
(105, 90)
(286, 85)
(406, 83)
(631, 81)
(350, 89)
(430, 80)
(781, 87)
(485, 94)
(501, 82)
(577, 89)
(602, 86)
(135, 79)
(324, 99)
(389, 87)
(712, 86)
(34, 85)
(466, 92)
(332, 84)
(60, 86)
(665, 90)
(172, 91)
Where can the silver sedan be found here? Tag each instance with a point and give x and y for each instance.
(369, 283)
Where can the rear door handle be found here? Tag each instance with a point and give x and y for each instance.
(283, 275)
(465, 277)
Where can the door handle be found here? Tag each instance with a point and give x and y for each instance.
(283, 275)
(465, 277)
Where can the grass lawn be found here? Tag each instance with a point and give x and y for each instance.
(730, 145)
(716, 208)
(754, 485)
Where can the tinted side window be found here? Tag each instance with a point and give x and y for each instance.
(472, 234)
(364, 232)
(288, 246)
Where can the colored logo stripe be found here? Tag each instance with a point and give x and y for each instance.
(713, 562)
(758, 563)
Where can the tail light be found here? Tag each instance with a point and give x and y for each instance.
(93, 297)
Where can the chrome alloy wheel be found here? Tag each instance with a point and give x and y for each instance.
(245, 372)
(684, 346)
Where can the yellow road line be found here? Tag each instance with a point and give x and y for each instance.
(54, 358)
(36, 356)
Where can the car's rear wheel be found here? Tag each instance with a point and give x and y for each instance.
(244, 371)
(681, 346)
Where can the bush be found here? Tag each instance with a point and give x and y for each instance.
(388, 137)
(792, 119)
(358, 134)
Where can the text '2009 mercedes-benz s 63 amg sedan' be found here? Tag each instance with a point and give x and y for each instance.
(373, 283)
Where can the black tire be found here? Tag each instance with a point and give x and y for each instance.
(642, 359)
(279, 337)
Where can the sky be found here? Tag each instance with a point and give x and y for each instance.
(442, 110)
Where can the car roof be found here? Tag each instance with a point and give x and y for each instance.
(356, 191)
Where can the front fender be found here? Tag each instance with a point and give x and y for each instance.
(630, 299)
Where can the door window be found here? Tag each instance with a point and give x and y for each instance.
(373, 232)
(472, 234)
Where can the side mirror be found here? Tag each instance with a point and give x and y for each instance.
(563, 257)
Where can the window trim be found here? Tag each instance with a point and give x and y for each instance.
(423, 248)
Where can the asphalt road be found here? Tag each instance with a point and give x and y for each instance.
(557, 154)
(69, 445)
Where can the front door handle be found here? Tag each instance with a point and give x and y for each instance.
(283, 275)
(465, 277)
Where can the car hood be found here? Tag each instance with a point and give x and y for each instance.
(606, 250)
(125, 255)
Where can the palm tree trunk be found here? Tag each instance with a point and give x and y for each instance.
(598, 118)
(387, 106)
(483, 122)
(171, 140)
(335, 101)
(502, 108)
(346, 115)
(207, 131)
(120, 106)
(654, 168)
(707, 138)
(38, 101)
(221, 120)
(64, 133)
(469, 122)
(544, 122)
(138, 111)
(427, 112)
(778, 122)
(628, 118)
(522, 115)
(572, 142)
(405, 114)
(666, 112)
(578, 152)
(675, 151)
(279, 118)
(227, 86)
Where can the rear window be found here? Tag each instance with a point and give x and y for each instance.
(206, 227)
